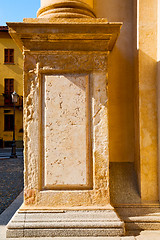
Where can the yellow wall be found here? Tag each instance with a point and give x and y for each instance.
(121, 80)
(133, 125)
(14, 71)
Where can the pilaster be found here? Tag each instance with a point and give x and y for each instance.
(146, 95)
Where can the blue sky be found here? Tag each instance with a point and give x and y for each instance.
(16, 10)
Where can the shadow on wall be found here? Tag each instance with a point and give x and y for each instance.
(15, 70)
(121, 80)
(1, 88)
(121, 107)
(146, 167)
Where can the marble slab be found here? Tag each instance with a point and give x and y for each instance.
(65, 116)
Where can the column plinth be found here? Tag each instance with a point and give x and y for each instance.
(66, 128)
(66, 143)
(66, 9)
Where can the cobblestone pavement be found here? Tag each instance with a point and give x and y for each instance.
(11, 184)
(11, 180)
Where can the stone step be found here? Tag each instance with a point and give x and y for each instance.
(140, 217)
(66, 224)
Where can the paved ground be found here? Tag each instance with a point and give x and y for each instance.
(11, 177)
(8, 213)
(6, 152)
(11, 184)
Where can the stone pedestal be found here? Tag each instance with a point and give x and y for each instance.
(65, 128)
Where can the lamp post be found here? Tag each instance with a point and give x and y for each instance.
(14, 96)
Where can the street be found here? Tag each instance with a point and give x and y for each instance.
(11, 177)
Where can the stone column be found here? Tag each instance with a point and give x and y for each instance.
(66, 9)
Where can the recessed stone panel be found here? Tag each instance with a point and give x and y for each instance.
(65, 116)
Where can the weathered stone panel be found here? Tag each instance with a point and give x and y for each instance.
(65, 120)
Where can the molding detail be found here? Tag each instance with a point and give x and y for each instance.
(66, 9)
(65, 35)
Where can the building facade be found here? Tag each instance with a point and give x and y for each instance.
(11, 78)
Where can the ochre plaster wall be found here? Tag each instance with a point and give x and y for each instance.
(14, 71)
(133, 63)
(121, 80)
(158, 94)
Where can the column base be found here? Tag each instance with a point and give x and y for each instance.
(66, 9)
(65, 224)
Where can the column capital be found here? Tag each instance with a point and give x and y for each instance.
(66, 9)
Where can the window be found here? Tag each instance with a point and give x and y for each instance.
(8, 122)
(8, 55)
(8, 89)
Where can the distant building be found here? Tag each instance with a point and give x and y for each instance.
(11, 78)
